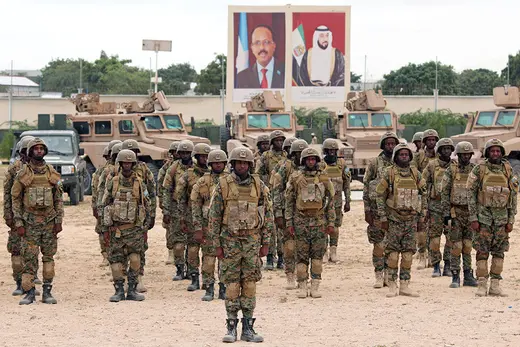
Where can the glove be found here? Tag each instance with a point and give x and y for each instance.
(199, 236)
(279, 222)
(9, 223)
(446, 220)
(509, 227)
(166, 219)
(369, 218)
(475, 226)
(20, 231)
(57, 228)
(290, 231)
(263, 251)
(329, 230)
(220, 253)
(106, 238)
(384, 225)
(346, 208)
(94, 212)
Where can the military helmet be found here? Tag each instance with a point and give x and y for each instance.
(105, 151)
(387, 135)
(275, 134)
(309, 152)
(262, 138)
(131, 144)
(330, 144)
(201, 148)
(418, 136)
(126, 156)
(24, 142)
(117, 148)
(400, 147)
(464, 147)
(430, 133)
(288, 141)
(174, 145)
(185, 146)
(445, 141)
(492, 143)
(112, 143)
(18, 145)
(241, 153)
(298, 146)
(217, 156)
(34, 142)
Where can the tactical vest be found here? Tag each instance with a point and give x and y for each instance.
(241, 210)
(335, 173)
(372, 185)
(128, 205)
(272, 161)
(193, 177)
(310, 191)
(404, 191)
(459, 191)
(437, 175)
(38, 196)
(206, 186)
(494, 187)
(423, 160)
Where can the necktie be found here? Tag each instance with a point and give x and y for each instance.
(264, 79)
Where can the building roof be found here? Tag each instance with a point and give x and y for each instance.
(17, 81)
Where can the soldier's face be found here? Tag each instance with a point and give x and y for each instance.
(278, 143)
(310, 162)
(430, 142)
(264, 146)
(126, 167)
(495, 154)
(185, 156)
(218, 167)
(331, 152)
(403, 158)
(418, 144)
(202, 159)
(464, 158)
(389, 145)
(38, 152)
(241, 167)
(445, 151)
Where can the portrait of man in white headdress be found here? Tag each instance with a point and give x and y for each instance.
(322, 64)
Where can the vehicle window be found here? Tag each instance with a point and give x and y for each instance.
(485, 118)
(58, 144)
(153, 122)
(358, 120)
(81, 127)
(280, 121)
(382, 120)
(505, 118)
(257, 121)
(126, 126)
(103, 127)
(172, 122)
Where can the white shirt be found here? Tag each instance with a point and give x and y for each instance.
(268, 74)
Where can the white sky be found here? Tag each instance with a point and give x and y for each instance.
(392, 33)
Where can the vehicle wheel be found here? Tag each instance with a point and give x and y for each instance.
(515, 165)
(327, 133)
(154, 169)
(225, 135)
(74, 195)
(87, 179)
(81, 189)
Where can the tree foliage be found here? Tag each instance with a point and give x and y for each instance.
(354, 78)
(514, 70)
(7, 144)
(311, 118)
(176, 78)
(478, 82)
(433, 120)
(210, 79)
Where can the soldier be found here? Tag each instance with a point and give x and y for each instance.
(170, 209)
(14, 242)
(95, 183)
(433, 175)
(340, 177)
(37, 199)
(173, 156)
(455, 208)
(492, 201)
(148, 179)
(200, 199)
(373, 175)
(287, 149)
(262, 145)
(241, 224)
(182, 195)
(400, 203)
(266, 164)
(417, 141)
(282, 173)
(309, 217)
(126, 215)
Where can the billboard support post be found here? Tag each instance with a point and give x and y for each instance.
(157, 46)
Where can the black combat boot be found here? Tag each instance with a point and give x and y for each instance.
(221, 291)
(180, 273)
(446, 271)
(231, 335)
(248, 333)
(18, 290)
(120, 291)
(210, 292)
(279, 264)
(47, 297)
(436, 270)
(28, 298)
(269, 265)
(469, 280)
(195, 284)
(455, 279)
(131, 294)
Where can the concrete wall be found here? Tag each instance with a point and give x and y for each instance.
(209, 107)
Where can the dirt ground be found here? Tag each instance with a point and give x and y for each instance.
(350, 313)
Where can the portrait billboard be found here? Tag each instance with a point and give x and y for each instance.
(259, 45)
(319, 47)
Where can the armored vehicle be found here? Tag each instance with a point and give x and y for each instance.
(265, 112)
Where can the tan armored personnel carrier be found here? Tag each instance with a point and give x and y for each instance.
(264, 113)
(359, 129)
(502, 123)
(98, 123)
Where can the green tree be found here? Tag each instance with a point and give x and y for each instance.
(176, 78)
(62, 75)
(311, 118)
(478, 82)
(514, 70)
(433, 120)
(210, 79)
(354, 78)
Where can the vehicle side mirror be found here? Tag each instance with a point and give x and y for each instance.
(82, 151)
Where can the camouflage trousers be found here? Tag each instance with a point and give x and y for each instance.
(435, 231)
(240, 270)
(376, 236)
(193, 250)
(400, 239)
(38, 238)
(333, 239)
(494, 240)
(176, 237)
(276, 244)
(461, 237)
(14, 247)
(99, 231)
(128, 246)
(311, 245)
(208, 264)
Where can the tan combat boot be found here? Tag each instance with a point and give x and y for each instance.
(315, 286)
(291, 282)
(302, 289)
(421, 264)
(405, 290)
(104, 262)
(392, 286)
(482, 287)
(495, 290)
(326, 257)
(379, 279)
(140, 285)
(170, 259)
(333, 254)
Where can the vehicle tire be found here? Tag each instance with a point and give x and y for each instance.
(327, 133)
(87, 179)
(225, 136)
(515, 165)
(81, 188)
(74, 194)
(154, 169)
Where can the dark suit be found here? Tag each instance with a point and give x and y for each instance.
(249, 78)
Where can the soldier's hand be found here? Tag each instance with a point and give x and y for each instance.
(9, 223)
(199, 236)
(346, 208)
(369, 218)
(475, 226)
(279, 222)
(106, 238)
(166, 219)
(20, 231)
(509, 227)
(329, 230)
(264, 250)
(384, 225)
(57, 228)
(219, 252)
(94, 212)
(446, 220)
(290, 231)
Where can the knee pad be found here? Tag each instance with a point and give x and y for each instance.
(379, 250)
(135, 261)
(193, 253)
(208, 265)
(301, 271)
(421, 238)
(27, 281)
(17, 264)
(482, 270)
(467, 246)
(406, 260)
(435, 243)
(457, 248)
(335, 234)
(48, 270)
(249, 289)
(178, 249)
(392, 260)
(232, 291)
(497, 265)
(288, 248)
(316, 266)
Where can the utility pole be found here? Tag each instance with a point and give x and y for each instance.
(365, 77)
(222, 90)
(80, 76)
(11, 98)
(436, 91)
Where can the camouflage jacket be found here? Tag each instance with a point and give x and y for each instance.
(267, 162)
(95, 183)
(371, 178)
(422, 158)
(280, 176)
(184, 188)
(433, 185)
(144, 172)
(345, 182)
(160, 179)
(23, 181)
(491, 215)
(294, 190)
(216, 229)
(10, 174)
(200, 198)
(453, 170)
(172, 176)
(109, 171)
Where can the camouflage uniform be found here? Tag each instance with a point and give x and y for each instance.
(309, 212)
(492, 202)
(417, 137)
(94, 185)
(37, 203)
(258, 153)
(400, 202)
(126, 212)
(240, 223)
